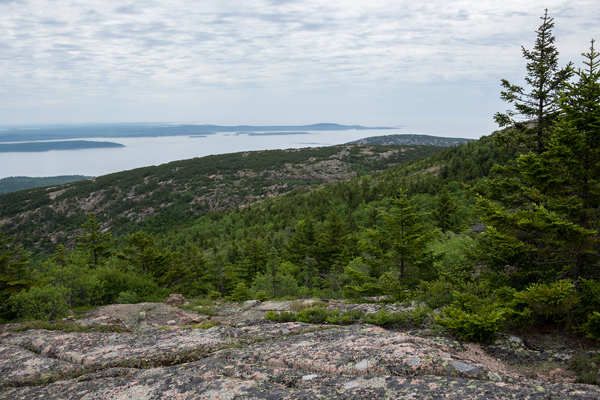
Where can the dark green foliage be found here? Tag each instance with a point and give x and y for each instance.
(41, 302)
(319, 315)
(399, 247)
(240, 292)
(592, 326)
(537, 107)
(476, 326)
(436, 294)
(118, 281)
(14, 272)
(541, 303)
(96, 244)
(15, 183)
(445, 212)
(587, 368)
(548, 226)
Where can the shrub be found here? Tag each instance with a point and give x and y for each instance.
(540, 303)
(478, 326)
(240, 292)
(285, 316)
(437, 293)
(587, 369)
(213, 295)
(127, 297)
(589, 297)
(118, 281)
(314, 315)
(592, 326)
(41, 302)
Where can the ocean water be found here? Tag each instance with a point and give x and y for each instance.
(141, 152)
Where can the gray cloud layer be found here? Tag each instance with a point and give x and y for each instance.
(211, 60)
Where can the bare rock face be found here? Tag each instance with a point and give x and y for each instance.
(255, 360)
(141, 316)
(176, 300)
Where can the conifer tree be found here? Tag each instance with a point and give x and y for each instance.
(444, 213)
(400, 243)
(333, 241)
(535, 107)
(94, 242)
(554, 229)
(14, 272)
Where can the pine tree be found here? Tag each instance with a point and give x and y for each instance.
(444, 213)
(94, 242)
(574, 155)
(333, 241)
(537, 109)
(400, 243)
(14, 272)
(552, 230)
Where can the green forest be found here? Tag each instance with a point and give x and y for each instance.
(494, 235)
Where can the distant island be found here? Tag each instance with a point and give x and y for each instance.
(275, 133)
(410, 139)
(28, 147)
(58, 132)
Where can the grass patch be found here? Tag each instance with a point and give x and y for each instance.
(65, 327)
(318, 315)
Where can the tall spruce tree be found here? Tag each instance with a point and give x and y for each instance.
(535, 107)
(400, 244)
(14, 271)
(554, 230)
(444, 213)
(95, 243)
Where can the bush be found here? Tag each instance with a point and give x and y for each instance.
(127, 298)
(318, 315)
(285, 316)
(453, 258)
(41, 302)
(592, 326)
(477, 326)
(589, 298)
(213, 295)
(541, 303)
(240, 293)
(118, 281)
(587, 369)
(436, 294)
(314, 315)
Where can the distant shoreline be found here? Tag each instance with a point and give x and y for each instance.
(274, 133)
(63, 132)
(31, 147)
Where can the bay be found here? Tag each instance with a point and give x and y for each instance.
(147, 151)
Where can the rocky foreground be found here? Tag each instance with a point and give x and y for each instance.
(157, 351)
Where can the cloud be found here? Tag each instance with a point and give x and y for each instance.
(181, 51)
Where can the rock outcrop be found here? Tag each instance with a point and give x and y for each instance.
(248, 358)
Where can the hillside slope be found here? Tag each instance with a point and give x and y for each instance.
(409, 139)
(173, 193)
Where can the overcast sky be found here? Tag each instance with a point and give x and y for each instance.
(431, 67)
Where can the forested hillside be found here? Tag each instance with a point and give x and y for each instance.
(404, 139)
(498, 234)
(16, 183)
(159, 198)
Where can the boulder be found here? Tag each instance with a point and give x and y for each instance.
(176, 300)
(250, 304)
